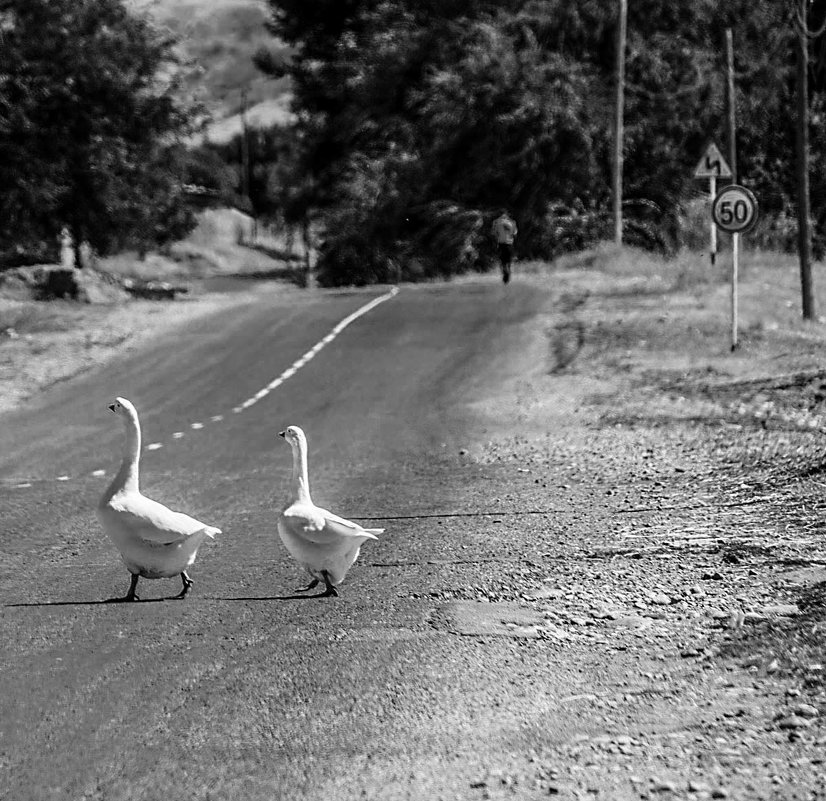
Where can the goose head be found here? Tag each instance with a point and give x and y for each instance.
(294, 436)
(124, 408)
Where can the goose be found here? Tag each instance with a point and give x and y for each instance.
(154, 542)
(324, 544)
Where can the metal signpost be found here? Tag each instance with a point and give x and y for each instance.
(712, 165)
(734, 210)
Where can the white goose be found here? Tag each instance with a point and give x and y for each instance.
(154, 542)
(324, 544)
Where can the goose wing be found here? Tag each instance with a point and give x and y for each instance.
(153, 522)
(324, 528)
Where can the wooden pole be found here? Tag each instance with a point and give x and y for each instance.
(618, 119)
(804, 233)
(730, 102)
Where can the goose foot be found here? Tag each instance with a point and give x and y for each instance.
(187, 582)
(331, 590)
(131, 595)
(310, 586)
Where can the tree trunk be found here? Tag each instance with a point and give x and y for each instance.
(804, 233)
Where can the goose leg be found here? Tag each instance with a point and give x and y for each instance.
(187, 582)
(331, 590)
(310, 586)
(131, 595)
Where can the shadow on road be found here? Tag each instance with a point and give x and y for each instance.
(103, 602)
(118, 601)
(276, 597)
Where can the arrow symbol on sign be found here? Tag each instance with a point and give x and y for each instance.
(712, 164)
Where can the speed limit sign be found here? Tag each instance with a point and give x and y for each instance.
(734, 209)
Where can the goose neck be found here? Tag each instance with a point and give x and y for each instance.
(128, 476)
(301, 479)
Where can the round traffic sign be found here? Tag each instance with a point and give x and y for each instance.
(734, 209)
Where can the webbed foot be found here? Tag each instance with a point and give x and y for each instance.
(187, 582)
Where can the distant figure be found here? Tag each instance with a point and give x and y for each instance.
(67, 249)
(504, 231)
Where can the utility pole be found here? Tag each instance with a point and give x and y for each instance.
(804, 232)
(731, 106)
(245, 148)
(246, 166)
(622, 24)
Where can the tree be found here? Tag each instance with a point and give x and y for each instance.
(416, 117)
(87, 122)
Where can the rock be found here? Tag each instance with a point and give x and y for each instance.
(781, 610)
(715, 576)
(660, 598)
(719, 793)
(794, 722)
(629, 622)
(806, 711)
(698, 787)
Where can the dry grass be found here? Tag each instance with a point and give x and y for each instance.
(221, 244)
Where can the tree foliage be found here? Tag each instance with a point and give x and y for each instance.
(418, 119)
(88, 127)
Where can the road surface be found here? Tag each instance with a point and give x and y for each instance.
(240, 691)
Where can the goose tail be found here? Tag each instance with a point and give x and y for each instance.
(373, 532)
(211, 531)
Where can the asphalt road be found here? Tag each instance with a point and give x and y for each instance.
(241, 691)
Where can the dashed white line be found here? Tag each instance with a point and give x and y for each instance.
(266, 390)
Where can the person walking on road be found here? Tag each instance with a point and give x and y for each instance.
(504, 232)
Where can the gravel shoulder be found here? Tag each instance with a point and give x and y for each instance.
(666, 496)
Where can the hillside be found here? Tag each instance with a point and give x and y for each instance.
(218, 39)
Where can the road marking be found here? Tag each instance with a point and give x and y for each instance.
(264, 391)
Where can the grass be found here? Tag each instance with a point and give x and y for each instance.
(18, 318)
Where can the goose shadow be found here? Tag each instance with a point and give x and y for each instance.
(276, 597)
(101, 602)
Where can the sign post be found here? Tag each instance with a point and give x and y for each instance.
(712, 165)
(734, 210)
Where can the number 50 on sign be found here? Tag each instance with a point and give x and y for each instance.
(734, 209)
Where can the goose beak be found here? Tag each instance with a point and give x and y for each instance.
(282, 434)
(111, 407)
